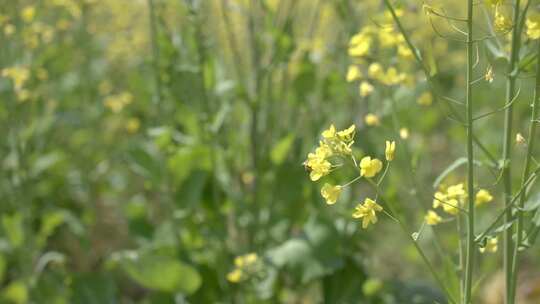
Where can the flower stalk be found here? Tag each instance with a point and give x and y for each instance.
(469, 257)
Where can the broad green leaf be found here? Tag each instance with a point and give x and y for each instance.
(162, 273)
(16, 292)
(13, 226)
(281, 149)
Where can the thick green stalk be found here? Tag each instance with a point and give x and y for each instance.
(507, 145)
(469, 258)
(525, 176)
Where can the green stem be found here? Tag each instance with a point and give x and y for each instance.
(408, 233)
(155, 51)
(507, 208)
(469, 258)
(525, 176)
(507, 145)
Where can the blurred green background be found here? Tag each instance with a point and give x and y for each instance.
(146, 144)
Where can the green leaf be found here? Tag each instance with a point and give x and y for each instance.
(13, 227)
(281, 149)
(161, 273)
(16, 292)
(532, 204)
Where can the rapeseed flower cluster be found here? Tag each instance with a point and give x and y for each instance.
(19, 75)
(333, 143)
(338, 145)
(245, 267)
(452, 199)
(373, 39)
(533, 26)
(117, 102)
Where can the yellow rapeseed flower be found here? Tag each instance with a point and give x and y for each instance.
(491, 245)
(330, 193)
(359, 45)
(501, 23)
(235, 275)
(19, 75)
(390, 150)
(367, 212)
(348, 134)
(450, 206)
(375, 70)
(432, 218)
(533, 26)
(456, 191)
(329, 133)
(439, 199)
(9, 29)
(318, 165)
(483, 196)
(353, 73)
(404, 133)
(371, 119)
(392, 77)
(370, 167)
(365, 89)
(28, 13)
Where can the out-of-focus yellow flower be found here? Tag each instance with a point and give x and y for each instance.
(133, 124)
(456, 191)
(450, 206)
(426, 99)
(19, 75)
(483, 196)
(365, 89)
(501, 23)
(245, 260)
(450, 200)
(375, 70)
(353, 73)
(235, 275)
(432, 218)
(370, 167)
(533, 26)
(392, 77)
(371, 119)
(520, 140)
(489, 76)
(330, 193)
(367, 212)
(360, 44)
(245, 265)
(404, 51)
(438, 199)
(9, 29)
(117, 102)
(28, 13)
(390, 150)
(387, 37)
(492, 245)
(404, 133)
